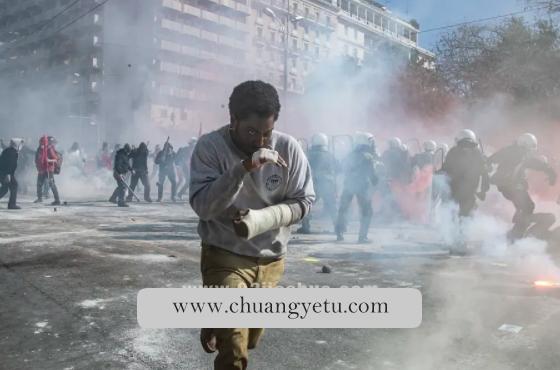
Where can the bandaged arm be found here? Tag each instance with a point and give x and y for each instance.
(259, 221)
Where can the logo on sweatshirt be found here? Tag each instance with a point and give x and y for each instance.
(273, 182)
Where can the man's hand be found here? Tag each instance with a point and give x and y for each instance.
(240, 214)
(240, 228)
(263, 156)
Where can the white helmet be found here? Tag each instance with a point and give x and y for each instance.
(466, 135)
(371, 138)
(362, 138)
(16, 143)
(444, 147)
(320, 140)
(193, 140)
(430, 146)
(395, 143)
(527, 141)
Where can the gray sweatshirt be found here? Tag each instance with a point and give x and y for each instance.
(220, 185)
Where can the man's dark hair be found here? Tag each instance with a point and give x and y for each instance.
(256, 97)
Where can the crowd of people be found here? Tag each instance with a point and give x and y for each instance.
(398, 184)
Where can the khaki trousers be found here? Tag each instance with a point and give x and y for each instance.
(221, 268)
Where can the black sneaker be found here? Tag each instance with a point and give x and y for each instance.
(123, 205)
(38, 200)
(363, 240)
(339, 237)
(13, 206)
(56, 203)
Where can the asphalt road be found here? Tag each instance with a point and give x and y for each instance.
(69, 279)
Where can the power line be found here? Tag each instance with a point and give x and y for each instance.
(80, 17)
(69, 23)
(484, 19)
(44, 24)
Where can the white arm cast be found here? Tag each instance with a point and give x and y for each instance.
(259, 221)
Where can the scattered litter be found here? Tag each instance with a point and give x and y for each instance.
(47, 276)
(132, 219)
(172, 256)
(321, 341)
(311, 259)
(326, 269)
(42, 324)
(510, 328)
(404, 284)
(91, 303)
(497, 264)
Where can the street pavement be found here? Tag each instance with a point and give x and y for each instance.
(69, 277)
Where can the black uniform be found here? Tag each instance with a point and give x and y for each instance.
(8, 182)
(359, 179)
(465, 167)
(510, 178)
(120, 169)
(166, 161)
(323, 169)
(140, 171)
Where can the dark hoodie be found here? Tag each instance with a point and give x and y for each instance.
(140, 158)
(8, 161)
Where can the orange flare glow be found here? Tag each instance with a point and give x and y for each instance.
(546, 284)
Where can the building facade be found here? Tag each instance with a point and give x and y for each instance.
(171, 64)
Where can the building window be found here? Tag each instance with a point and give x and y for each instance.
(294, 44)
(259, 32)
(306, 47)
(163, 113)
(94, 62)
(95, 18)
(317, 52)
(306, 13)
(273, 37)
(295, 8)
(184, 115)
(294, 63)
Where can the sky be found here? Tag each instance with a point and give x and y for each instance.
(436, 13)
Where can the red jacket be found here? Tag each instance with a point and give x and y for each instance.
(46, 157)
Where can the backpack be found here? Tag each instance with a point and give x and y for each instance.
(58, 164)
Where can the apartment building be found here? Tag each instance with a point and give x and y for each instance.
(172, 63)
